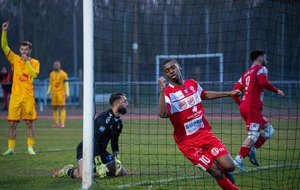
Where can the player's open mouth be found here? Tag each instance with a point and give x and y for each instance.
(174, 76)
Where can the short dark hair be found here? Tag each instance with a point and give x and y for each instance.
(26, 43)
(256, 53)
(115, 97)
(169, 60)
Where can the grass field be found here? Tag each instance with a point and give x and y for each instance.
(150, 156)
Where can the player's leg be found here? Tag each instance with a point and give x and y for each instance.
(63, 114)
(62, 104)
(252, 118)
(54, 103)
(30, 137)
(267, 134)
(55, 116)
(220, 177)
(70, 170)
(204, 160)
(114, 166)
(11, 138)
(29, 114)
(245, 149)
(13, 117)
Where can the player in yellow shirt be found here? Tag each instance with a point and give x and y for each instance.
(60, 91)
(22, 101)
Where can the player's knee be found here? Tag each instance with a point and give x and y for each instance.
(230, 167)
(268, 131)
(253, 135)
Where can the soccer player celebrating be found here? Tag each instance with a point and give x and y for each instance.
(253, 82)
(107, 127)
(181, 102)
(60, 91)
(22, 101)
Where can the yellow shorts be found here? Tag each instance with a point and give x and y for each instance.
(21, 105)
(58, 99)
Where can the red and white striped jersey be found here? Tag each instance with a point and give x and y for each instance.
(185, 110)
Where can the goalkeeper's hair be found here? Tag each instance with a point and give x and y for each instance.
(115, 97)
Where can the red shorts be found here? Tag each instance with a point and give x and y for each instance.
(253, 117)
(203, 150)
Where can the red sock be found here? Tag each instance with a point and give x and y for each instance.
(260, 141)
(244, 151)
(226, 184)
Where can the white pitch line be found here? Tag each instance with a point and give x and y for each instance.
(199, 177)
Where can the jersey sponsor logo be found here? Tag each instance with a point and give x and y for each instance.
(23, 78)
(56, 85)
(182, 104)
(176, 96)
(191, 100)
(193, 126)
(214, 151)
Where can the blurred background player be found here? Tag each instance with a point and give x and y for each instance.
(5, 78)
(181, 102)
(22, 101)
(60, 92)
(253, 82)
(107, 127)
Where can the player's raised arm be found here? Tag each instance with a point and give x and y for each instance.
(4, 43)
(162, 110)
(210, 95)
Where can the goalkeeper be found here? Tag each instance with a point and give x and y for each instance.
(107, 127)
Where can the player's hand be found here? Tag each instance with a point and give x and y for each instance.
(101, 168)
(162, 83)
(236, 93)
(5, 25)
(24, 57)
(280, 93)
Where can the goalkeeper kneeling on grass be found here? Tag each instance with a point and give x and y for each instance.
(107, 127)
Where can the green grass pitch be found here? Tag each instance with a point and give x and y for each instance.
(150, 156)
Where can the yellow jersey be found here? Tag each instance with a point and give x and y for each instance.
(22, 81)
(57, 81)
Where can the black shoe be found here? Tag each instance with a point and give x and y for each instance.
(252, 156)
(230, 177)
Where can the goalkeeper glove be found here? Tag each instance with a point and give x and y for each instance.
(101, 168)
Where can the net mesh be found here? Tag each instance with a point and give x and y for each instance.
(131, 37)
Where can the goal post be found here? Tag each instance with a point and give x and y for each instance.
(88, 93)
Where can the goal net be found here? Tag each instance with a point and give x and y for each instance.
(211, 40)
